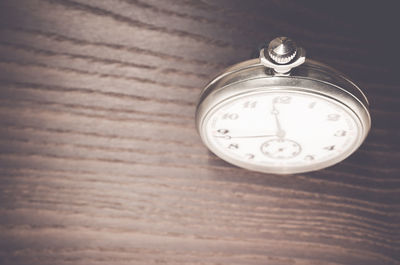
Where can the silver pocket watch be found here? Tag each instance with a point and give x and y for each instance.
(282, 113)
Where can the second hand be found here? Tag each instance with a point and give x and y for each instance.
(246, 136)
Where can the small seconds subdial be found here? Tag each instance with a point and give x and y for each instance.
(273, 129)
(281, 149)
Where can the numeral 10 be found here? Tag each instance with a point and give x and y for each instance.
(230, 116)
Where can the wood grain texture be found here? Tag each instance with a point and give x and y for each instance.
(101, 163)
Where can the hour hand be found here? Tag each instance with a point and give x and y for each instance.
(279, 131)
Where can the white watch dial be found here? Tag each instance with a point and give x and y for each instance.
(283, 132)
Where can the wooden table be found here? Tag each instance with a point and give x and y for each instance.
(101, 163)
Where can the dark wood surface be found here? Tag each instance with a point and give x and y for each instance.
(101, 163)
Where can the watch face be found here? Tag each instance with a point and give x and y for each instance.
(282, 132)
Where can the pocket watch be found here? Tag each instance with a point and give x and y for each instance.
(282, 113)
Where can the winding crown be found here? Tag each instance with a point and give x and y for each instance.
(282, 50)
